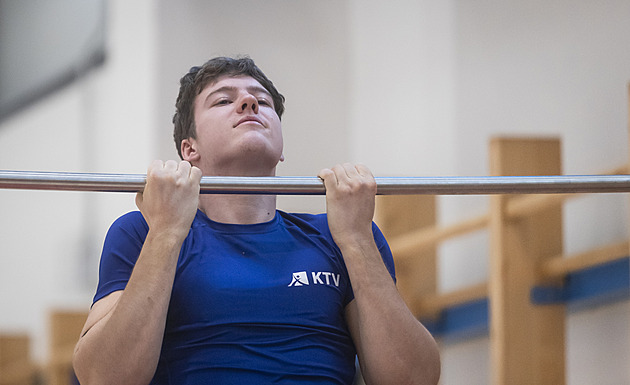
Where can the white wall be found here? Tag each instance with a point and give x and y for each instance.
(409, 87)
(402, 88)
(51, 240)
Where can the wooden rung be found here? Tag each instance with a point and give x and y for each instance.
(560, 266)
(529, 204)
(554, 268)
(431, 306)
(15, 363)
(405, 245)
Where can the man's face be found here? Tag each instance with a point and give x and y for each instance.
(238, 129)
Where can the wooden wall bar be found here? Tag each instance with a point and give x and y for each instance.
(526, 340)
(16, 367)
(531, 280)
(416, 270)
(65, 328)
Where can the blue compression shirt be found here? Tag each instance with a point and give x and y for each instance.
(251, 304)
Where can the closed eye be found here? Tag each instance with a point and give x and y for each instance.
(264, 102)
(222, 102)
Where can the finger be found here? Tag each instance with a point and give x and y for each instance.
(350, 170)
(364, 171)
(183, 169)
(325, 173)
(155, 165)
(171, 165)
(367, 177)
(328, 176)
(195, 173)
(341, 173)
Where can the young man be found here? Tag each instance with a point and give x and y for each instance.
(225, 289)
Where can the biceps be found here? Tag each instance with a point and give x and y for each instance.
(101, 310)
(352, 320)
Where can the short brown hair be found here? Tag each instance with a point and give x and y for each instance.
(198, 78)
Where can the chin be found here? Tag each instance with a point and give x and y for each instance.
(262, 149)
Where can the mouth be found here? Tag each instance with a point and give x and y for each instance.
(249, 119)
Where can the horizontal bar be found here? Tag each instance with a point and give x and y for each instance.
(297, 185)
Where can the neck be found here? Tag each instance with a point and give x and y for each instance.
(238, 209)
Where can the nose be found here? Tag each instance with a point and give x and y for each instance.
(248, 101)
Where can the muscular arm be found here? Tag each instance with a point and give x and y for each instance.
(392, 345)
(122, 337)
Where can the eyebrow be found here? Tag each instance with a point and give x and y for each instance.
(227, 89)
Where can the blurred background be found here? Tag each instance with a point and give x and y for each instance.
(408, 87)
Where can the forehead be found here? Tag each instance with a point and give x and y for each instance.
(232, 82)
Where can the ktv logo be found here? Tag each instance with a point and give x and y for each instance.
(300, 278)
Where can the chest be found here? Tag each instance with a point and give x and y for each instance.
(273, 278)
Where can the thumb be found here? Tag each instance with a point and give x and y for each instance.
(139, 200)
(327, 176)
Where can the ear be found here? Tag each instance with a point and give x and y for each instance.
(281, 157)
(189, 148)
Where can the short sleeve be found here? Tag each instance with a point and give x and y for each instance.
(383, 248)
(121, 249)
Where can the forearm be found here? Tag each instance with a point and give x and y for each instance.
(123, 347)
(393, 346)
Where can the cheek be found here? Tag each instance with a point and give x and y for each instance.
(279, 137)
(208, 125)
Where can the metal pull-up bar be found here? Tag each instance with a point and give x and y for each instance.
(298, 185)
